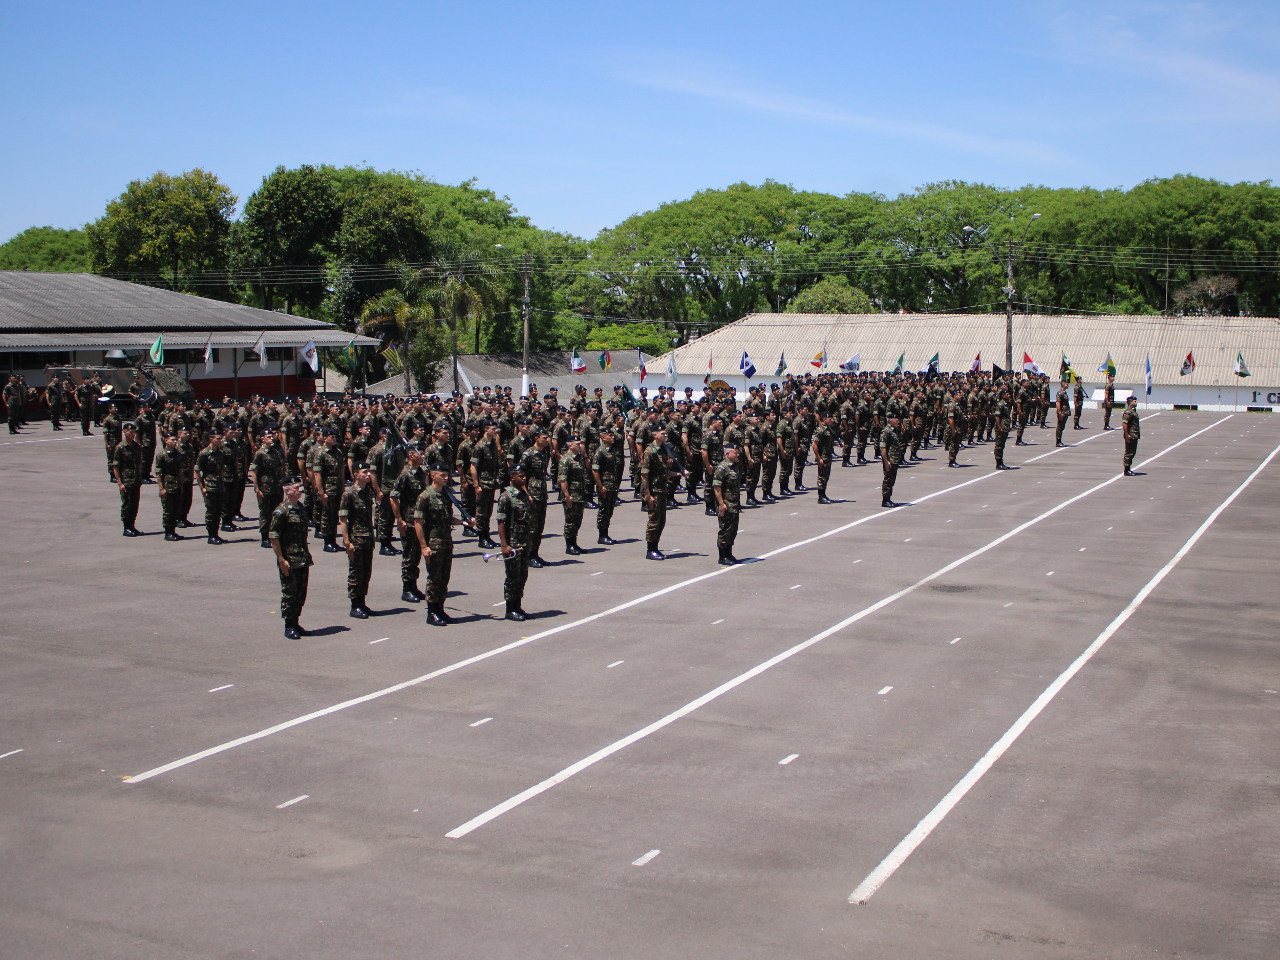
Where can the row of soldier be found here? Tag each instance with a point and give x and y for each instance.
(495, 451)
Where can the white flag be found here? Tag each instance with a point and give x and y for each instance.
(208, 355)
(670, 379)
(260, 349)
(312, 357)
(853, 364)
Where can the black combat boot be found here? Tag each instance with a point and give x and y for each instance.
(291, 630)
(515, 613)
(435, 615)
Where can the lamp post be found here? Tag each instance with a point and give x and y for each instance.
(1010, 246)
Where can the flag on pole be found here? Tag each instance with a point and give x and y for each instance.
(1108, 366)
(672, 376)
(897, 367)
(820, 358)
(707, 379)
(643, 372)
(1147, 377)
(1241, 370)
(1029, 365)
(853, 364)
(782, 365)
(997, 371)
(349, 354)
(208, 354)
(934, 363)
(261, 350)
(1188, 365)
(394, 361)
(1067, 373)
(576, 363)
(628, 399)
(312, 356)
(976, 366)
(606, 360)
(747, 368)
(157, 350)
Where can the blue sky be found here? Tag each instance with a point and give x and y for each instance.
(585, 113)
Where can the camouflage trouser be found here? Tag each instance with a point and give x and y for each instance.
(863, 434)
(214, 506)
(293, 592)
(604, 515)
(1062, 425)
(484, 510)
(410, 557)
(802, 461)
(728, 529)
(359, 571)
(387, 520)
(517, 572)
(753, 478)
(1130, 451)
(537, 523)
(890, 477)
(657, 518)
(1106, 416)
(170, 507)
(129, 497)
(768, 471)
(268, 500)
(785, 463)
(572, 519)
(694, 479)
(439, 566)
(329, 521)
(1002, 437)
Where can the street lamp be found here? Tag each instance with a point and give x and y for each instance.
(1010, 246)
(524, 319)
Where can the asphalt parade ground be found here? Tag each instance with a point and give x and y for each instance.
(1029, 713)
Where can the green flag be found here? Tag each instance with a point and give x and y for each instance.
(1241, 370)
(897, 367)
(157, 350)
(1108, 366)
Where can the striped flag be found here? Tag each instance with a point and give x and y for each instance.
(1188, 365)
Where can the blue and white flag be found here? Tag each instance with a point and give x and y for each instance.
(671, 377)
(746, 366)
(1147, 376)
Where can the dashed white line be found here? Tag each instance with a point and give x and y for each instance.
(290, 803)
(616, 663)
(480, 723)
(908, 540)
(1082, 549)
(859, 560)
(883, 691)
(379, 640)
(12, 752)
(796, 587)
(1009, 604)
(1049, 574)
(597, 573)
(721, 620)
(785, 760)
(956, 640)
(225, 686)
(646, 858)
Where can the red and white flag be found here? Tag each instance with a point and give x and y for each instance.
(643, 372)
(1188, 365)
(1029, 365)
(976, 366)
(707, 378)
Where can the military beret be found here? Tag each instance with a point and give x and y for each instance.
(437, 467)
(731, 446)
(128, 425)
(290, 480)
(361, 465)
(515, 468)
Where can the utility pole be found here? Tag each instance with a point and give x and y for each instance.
(524, 317)
(1008, 306)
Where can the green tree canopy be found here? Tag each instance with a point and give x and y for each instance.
(46, 249)
(629, 336)
(831, 295)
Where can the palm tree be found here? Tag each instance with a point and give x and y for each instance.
(458, 290)
(390, 317)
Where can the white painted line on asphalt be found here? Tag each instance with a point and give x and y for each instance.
(290, 803)
(717, 622)
(912, 840)
(785, 760)
(14, 443)
(597, 573)
(796, 587)
(503, 604)
(480, 723)
(1009, 604)
(644, 732)
(12, 752)
(859, 560)
(564, 627)
(225, 686)
(646, 858)
(379, 640)
(1082, 549)
(956, 640)
(908, 540)
(616, 663)
(796, 514)
(883, 691)
(1049, 574)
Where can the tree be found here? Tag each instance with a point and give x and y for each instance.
(281, 246)
(46, 249)
(457, 294)
(1206, 295)
(629, 336)
(166, 229)
(831, 295)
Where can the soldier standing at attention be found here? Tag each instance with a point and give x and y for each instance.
(824, 450)
(170, 466)
(327, 470)
(653, 490)
(188, 450)
(1064, 410)
(126, 468)
(536, 461)
(1108, 401)
(573, 489)
(727, 487)
(209, 469)
(1078, 395)
(892, 447)
(1000, 415)
(768, 456)
(356, 515)
(288, 535)
(110, 437)
(786, 450)
(85, 395)
(267, 474)
(53, 397)
(433, 521)
(146, 422)
(1132, 428)
(606, 468)
(712, 453)
(513, 532)
(486, 459)
(404, 496)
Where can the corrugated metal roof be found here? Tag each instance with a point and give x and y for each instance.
(957, 338)
(547, 369)
(84, 303)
